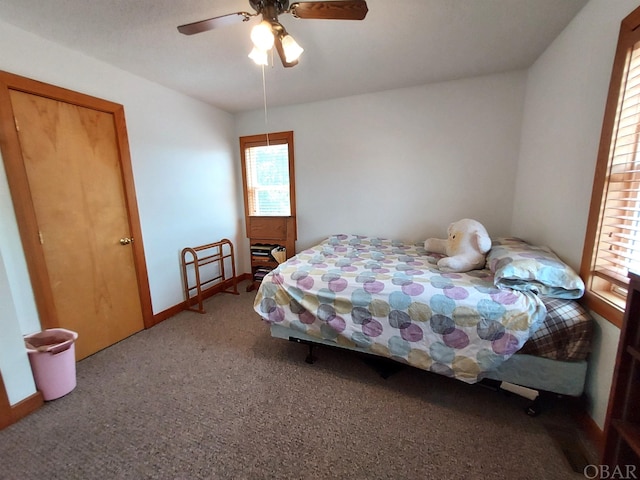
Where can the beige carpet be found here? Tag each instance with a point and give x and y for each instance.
(214, 396)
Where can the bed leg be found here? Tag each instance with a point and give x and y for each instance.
(310, 358)
(544, 401)
(534, 409)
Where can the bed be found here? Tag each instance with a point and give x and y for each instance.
(515, 321)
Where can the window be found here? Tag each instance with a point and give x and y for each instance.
(267, 174)
(268, 180)
(612, 243)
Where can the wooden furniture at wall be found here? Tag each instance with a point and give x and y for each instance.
(279, 231)
(622, 424)
(214, 256)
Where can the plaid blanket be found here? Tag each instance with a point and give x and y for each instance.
(565, 334)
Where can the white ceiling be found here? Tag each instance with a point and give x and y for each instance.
(400, 43)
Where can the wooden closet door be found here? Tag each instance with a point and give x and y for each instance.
(72, 162)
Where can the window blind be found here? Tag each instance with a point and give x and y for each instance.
(619, 239)
(267, 170)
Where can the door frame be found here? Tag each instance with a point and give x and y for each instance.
(23, 203)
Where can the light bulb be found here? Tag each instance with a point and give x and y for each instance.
(259, 56)
(262, 36)
(292, 50)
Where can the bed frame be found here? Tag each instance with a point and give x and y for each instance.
(536, 378)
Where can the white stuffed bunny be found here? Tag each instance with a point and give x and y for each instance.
(465, 248)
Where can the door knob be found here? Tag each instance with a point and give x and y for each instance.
(126, 241)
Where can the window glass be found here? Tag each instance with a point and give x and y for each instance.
(267, 170)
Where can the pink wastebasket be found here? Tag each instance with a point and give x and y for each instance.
(52, 355)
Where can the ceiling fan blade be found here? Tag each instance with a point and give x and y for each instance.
(331, 10)
(216, 22)
(277, 41)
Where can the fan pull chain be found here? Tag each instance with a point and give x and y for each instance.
(264, 96)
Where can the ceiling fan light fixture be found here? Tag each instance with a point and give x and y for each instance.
(269, 32)
(260, 57)
(262, 36)
(292, 50)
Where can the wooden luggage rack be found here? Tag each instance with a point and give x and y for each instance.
(214, 256)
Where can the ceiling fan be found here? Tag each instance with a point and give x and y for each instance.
(270, 31)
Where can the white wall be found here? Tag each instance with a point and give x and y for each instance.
(564, 106)
(403, 163)
(18, 314)
(17, 292)
(183, 158)
(14, 363)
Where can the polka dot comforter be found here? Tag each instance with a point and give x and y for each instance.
(388, 298)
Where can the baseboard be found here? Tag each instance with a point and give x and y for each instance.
(209, 292)
(22, 409)
(592, 431)
(168, 313)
